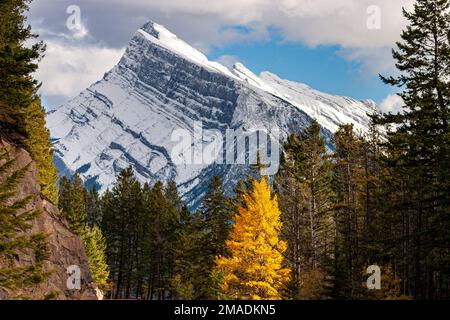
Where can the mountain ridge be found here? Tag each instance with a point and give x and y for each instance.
(162, 84)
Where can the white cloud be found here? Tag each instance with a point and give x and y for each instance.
(80, 32)
(313, 22)
(67, 69)
(373, 61)
(392, 104)
(228, 60)
(211, 23)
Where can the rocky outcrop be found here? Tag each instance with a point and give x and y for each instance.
(64, 247)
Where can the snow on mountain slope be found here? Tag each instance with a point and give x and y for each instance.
(162, 84)
(162, 37)
(330, 111)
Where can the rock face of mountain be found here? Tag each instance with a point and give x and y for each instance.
(65, 248)
(161, 85)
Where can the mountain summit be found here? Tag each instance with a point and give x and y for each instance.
(162, 84)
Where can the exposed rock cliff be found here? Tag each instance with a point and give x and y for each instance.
(64, 247)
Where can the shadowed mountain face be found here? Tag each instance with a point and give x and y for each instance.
(162, 85)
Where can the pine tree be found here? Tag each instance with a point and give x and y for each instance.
(172, 221)
(15, 224)
(95, 247)
(142, 226)
(306, 201)
(373, 199)
(348, 181)
(192, 279)
(238, 199)
(158, 242)
(93, 207)
(72, 203)
(254, 268)
(202, 239)
(418, 149)
(217, 217)
(255, 173)
(146, 269)
(21, 114)
(17, 64)
(214, 229)
(119, 225)
(37, 142)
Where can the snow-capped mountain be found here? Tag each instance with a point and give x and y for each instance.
(162, 84)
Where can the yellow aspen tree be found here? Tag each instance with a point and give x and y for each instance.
(254, 270)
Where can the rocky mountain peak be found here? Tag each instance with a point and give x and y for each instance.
(149, 27)
(163, 84)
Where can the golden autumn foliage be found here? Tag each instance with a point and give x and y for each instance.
(254, 268)
(39, 146)
(390, 286)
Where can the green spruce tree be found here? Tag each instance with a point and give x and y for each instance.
(202, 239)
(348, 181)
(304, 186)
(22, 117)
(217, 214)
(190, 281)
(17, 64)
(119, 225)
(73, 204)
(418, 149)
(95, 247)
(93, 207)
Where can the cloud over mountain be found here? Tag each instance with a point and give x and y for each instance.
(215, 23)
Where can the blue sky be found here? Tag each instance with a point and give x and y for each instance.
(321, 68)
